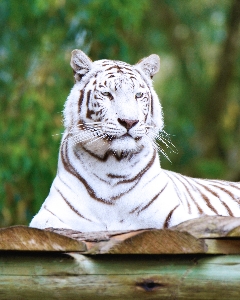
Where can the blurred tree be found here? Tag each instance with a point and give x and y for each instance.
(212, 123)
(204, 40)
(198, 42)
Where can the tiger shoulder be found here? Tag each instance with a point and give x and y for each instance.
(109, 175)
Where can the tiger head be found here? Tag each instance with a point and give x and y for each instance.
(112, 107)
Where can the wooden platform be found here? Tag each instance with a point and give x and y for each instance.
(198, 259)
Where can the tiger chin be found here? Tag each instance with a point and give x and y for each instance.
(109, 175)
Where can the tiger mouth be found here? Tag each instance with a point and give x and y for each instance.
(126, 135)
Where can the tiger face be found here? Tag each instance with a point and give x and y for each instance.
(113, 106)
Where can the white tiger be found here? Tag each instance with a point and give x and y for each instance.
(109, 175)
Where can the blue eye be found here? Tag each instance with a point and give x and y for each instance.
(106, 94)
(139, 95)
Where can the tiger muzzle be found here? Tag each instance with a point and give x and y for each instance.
(128, 124)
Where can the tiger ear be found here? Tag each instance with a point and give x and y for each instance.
(80, 63)
(149, 65)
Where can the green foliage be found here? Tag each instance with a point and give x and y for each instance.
(36, 40)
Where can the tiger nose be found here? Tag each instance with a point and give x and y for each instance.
(128, 124)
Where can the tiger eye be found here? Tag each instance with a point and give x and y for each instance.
(139, 95)
(106, 94)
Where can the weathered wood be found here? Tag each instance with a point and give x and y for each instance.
(222, 246)
(163, 242)
(26, 238)
(54, 275)
(96, 236)
(150, 242)
(32, 275)
(210, 235)
(211, 227)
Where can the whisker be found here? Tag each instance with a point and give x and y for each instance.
(157, 136)
(168, 144)
(86, 132)
(86, 126)
(80, 137)
(165, 139)
(96, 139)
(93, 123)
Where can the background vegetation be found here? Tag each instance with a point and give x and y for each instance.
(198, 42)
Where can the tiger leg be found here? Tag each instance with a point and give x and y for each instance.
(46, 219)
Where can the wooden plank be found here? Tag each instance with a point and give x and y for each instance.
(26, 238)
(150, 242)
(203, 227)
(210, 235)
(211, 227)
(222, 246)
(171, 241)
(32, 275)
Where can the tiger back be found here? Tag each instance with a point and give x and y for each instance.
(109, 175)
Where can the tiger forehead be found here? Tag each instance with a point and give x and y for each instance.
(119, 75)
(115, 68)
(114, 63)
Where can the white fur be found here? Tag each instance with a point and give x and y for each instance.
(106, 183)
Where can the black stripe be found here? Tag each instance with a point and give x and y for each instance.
(115, 176)
(227, 208)
(82, 91)
(154, 177)
(152, 200)
(70, 169)
(88, 97)
(89, 112)
(224, 182)
(124, 193)
(120, 194)
(169, 216)
(135, 209)
(176, 188)
(230, 194)
(120, 68)
(101, 179)
(217, 196)
(151, 104)
(71, 207)
(45, 207)
(80, 101)
(140, 174)
(149, 88)
(64, 182)
(226, 191)
(101, 158)
(112, 67)
(106, 63)
(188, 191)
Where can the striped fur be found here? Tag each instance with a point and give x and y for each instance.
(109, 175)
